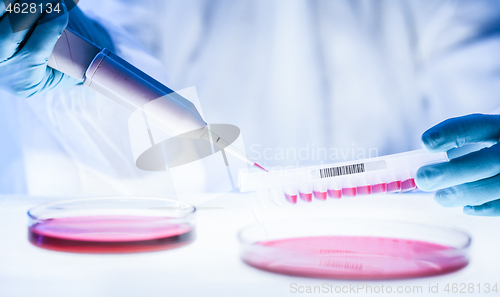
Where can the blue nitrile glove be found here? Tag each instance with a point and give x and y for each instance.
(24, 54)
(472, 180)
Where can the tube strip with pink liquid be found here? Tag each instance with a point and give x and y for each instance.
(386, 174)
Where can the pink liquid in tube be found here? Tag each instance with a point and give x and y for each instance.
(335, 194)
(364, 190)
(291, 198)
(353, 257)
(394, 186)
(307, 197)
(349, 192)
(379, 188)
(110, 234)
(408, 185)
(320, 195)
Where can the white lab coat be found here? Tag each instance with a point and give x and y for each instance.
(298, 77)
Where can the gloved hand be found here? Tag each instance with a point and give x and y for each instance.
(24, 54)
(472, 180)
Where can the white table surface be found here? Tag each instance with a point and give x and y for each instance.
(211, 266)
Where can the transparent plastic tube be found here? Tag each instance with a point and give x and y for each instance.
(386, 174)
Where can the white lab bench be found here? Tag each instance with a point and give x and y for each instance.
(210, 266)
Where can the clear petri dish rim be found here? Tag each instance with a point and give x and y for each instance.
(151, 206)
(244, 239)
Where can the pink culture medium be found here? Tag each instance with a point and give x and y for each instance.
(353, 257)
(110, 234)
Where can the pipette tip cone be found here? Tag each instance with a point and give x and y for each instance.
(257, 165)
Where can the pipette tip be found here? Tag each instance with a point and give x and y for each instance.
(257, 165)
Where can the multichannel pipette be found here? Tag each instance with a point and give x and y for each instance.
(387, 174)
(108, 74)
(221, 143)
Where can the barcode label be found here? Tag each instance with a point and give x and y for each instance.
(342, 170)
(349, 169)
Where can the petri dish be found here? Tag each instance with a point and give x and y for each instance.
(112, 225)
(354, 249)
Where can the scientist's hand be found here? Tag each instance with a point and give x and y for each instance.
(24, 55)
(472, 180)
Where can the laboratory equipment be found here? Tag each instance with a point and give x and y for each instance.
(108, 74)
(353, 249)
(112, 225)
(28, 38)
(386, 174)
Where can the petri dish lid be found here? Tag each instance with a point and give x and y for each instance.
(112, 225)
(354, 248)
